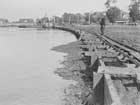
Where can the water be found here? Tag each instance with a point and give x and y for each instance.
(27, 66)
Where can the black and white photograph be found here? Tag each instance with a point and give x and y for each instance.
(69, 52)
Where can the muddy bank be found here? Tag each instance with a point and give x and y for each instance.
(75, 68)
(78, 68)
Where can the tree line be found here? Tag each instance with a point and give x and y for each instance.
(113, 14)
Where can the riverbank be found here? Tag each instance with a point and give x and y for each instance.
(76, 69)
(107, 90)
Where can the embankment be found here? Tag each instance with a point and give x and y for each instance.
(79, 68)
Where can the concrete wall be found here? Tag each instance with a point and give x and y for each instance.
(76, 33)
(95, 65)
(111, 96)
(107, 96)
(104, 91)
(99, 92)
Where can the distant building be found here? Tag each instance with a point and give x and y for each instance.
(124, 18)
(3, 21)
(42, 21)
(26, 21)
(45, 20)
(57, 19)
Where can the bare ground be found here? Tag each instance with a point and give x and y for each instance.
(74, 69)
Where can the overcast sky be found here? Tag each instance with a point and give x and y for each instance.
(14, 9)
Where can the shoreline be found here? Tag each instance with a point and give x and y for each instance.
(74, 69)
(85, 77)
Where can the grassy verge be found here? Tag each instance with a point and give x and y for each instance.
(129, 35)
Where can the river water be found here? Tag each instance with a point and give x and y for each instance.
(27, 66)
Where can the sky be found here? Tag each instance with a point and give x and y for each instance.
(15, 9)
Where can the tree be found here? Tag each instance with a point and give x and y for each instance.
(80, 18)
(113, 13)
(134, 11)
(96, 16)
(87, 14)
(73, 18)
(66, 17)
(109, 2)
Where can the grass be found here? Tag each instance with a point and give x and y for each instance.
(129, 35)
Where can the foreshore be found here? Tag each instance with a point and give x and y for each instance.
(79, 68)
(103, 74)
(105, 90)
(75, 69)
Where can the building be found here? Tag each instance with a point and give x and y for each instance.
(124, 18)
(26, 21)
(42, 21)
(3, 21)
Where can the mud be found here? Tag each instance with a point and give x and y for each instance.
(74, 68)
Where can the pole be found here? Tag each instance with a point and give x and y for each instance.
(69, 19)
(62, 20)
(89, 17)
(54, 19)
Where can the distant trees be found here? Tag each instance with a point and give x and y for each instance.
(80, 18)
(109, 2)
(87, 16)
(42, 21)
(134, 11)
(96, 16)
(113, 13)
(66, 17)
(73, 18)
